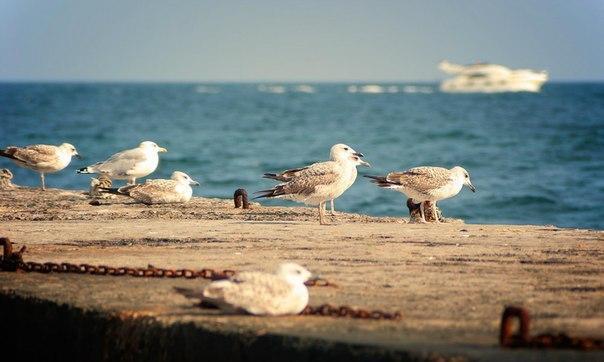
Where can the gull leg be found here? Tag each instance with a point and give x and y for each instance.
(42, 179)
(435, 213)
(421, 211)
(333, 209)
(321, 210)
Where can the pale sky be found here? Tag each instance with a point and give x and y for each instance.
(282, 40)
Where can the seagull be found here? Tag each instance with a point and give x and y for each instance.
(130, 164)
(97, 184)
(41, 158)
(260, 293)
(160, 191)
(5, 179)
(288, 175)
(426, 184)
(319, 182)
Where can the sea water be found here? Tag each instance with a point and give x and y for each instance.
(535, 158)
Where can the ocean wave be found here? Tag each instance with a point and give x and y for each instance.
(304, 88)
(372, 89)
(206, 89)
(418, 89)
(379, 89)
(276, 89)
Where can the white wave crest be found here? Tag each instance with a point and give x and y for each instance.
(206, 89)
(277, 89)
(418, 89)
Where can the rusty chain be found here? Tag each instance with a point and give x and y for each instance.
(13, 261)
(329, 310)
(522, 338)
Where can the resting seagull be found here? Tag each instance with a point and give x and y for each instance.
(426, 184)
(130, 164)
(260, 293)
(160, 191)
(319, 182)
(41, 158)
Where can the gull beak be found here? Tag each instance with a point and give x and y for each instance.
(314, 278)
(161, 149)
(363, 163)
(194, 183)
(471, 187)
(77, 155)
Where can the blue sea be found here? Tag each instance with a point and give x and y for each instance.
(534, 158)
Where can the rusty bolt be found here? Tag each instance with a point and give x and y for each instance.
(240, 199)
(10, 260)
(506, 338)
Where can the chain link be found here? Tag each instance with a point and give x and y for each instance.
(329, 310)
(522, 338)
(149, 272)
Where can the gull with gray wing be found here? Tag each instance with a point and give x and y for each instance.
(129, 164)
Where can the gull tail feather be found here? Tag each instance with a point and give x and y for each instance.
(7, 154)
(274, 192)
(124, 190)
(273, 176)
(110, 190)
(89, 169)
(381, 181)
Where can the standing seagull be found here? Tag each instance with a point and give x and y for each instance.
(288, 175)
(260, 293)
(130, 164)
(41, 158)
(319, 182)
(176, 190)
(426, 184)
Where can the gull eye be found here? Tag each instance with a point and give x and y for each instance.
(467, 176)
(346, 148)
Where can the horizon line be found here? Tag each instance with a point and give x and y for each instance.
(281, 81)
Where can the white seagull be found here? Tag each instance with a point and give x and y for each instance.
(319, 182)
(260, 293)
(160, 191)
(426, 184)
(130, 164)
(41, 158)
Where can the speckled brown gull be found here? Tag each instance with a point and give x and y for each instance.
(426, 184)
(319, 182)
(261, 293)
(41, 158)
(160, 191)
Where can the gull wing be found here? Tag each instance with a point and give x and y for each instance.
(422, 179)
(306, 180)
(122, 163)
(286, 175)
(151, 191)
(33, 155)
(260, 293)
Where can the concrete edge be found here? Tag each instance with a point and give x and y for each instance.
(37, 329)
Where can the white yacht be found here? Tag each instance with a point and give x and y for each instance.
(490, 78)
